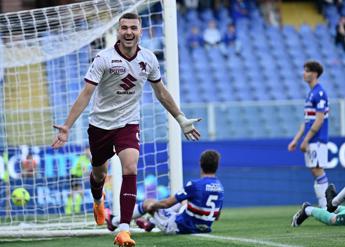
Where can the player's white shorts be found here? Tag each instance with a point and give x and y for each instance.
(317, 155)
(164, 219)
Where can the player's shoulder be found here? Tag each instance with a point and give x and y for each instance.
(105, 52)
(319, 91)
(147, 53)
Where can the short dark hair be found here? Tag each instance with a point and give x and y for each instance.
(314, 66)
(209, 160)
(131, 16)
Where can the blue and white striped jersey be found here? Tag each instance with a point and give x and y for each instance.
(316, 101)
(204, 202)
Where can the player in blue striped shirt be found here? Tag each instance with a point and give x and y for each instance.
(192, 210)
(314, 130)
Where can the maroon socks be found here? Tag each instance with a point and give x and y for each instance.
(128, 196)
(96, 188)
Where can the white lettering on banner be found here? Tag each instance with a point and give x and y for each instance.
(11, 166)
(47, 196)
(58, 164)
(333, 148)
(342, 155)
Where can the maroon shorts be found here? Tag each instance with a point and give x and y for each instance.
(102, 142)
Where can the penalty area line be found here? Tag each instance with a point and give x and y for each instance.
(243, 240)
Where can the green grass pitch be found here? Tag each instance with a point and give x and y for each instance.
(264, 226)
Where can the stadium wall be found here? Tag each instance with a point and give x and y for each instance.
(262, 172)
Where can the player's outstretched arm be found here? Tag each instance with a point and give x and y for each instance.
(165, 203)
(77, 108)
(187, 125)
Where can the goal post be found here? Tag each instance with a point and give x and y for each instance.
(172, 77)
(45, 54)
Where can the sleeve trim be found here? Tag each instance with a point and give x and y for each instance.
(155, 81)
(91, 82)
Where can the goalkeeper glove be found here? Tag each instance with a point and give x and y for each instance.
(187, 126)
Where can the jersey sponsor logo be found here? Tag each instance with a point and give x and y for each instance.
(128, 84)
(117, 70)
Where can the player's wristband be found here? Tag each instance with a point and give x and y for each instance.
(181, 119)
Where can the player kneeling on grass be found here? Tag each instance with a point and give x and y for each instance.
(193, 210)
(334, 215)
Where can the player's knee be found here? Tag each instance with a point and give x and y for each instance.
(317, 171)
(129, 169)
(99, 175)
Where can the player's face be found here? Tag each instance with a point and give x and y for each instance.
(308, 76)
(129, 33)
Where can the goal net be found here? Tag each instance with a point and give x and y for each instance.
(45, 54)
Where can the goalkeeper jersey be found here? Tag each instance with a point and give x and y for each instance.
(204, 202)
(316, 101)
(120, 81)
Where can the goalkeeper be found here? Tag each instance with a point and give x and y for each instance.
(334, 215)
(117, 76)
(202, 202)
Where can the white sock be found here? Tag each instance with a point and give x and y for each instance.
(320, 190)
(115, 221)
(320, 186)
(124, 227)
(339, 198)
(138, 211)
(308, 210)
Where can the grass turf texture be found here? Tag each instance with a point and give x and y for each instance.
(266, 226)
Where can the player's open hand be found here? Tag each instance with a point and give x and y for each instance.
(62, 137)
(187, 126)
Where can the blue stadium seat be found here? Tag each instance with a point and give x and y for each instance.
(207, 15)
(235, 63)
(192, 16)
(215, 55)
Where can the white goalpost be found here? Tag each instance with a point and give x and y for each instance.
(44, 56)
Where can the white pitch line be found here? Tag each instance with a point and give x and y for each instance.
(244, 240)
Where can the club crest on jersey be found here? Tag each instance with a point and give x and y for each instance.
(142, 66)
(117, 70)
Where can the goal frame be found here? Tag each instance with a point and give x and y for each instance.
(174, 141)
